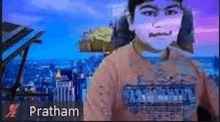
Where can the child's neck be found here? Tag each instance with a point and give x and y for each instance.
(147, 51)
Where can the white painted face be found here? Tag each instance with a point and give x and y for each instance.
(157, 22)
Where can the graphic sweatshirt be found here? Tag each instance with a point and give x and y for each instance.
(128, 87)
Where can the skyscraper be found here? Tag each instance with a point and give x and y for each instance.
(65, 96)
(65, 89)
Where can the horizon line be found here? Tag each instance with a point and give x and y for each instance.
(88, 58)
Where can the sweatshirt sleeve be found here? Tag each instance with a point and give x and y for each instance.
(101, 96)
(210, 95)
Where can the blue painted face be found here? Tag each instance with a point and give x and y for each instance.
(157, 23)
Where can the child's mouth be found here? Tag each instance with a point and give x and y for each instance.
(159, 34)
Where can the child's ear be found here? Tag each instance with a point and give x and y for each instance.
(129, 19)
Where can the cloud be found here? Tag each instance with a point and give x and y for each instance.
(203, 35)
(207, 21)
(22, 19)
(117, 8)
(116, 5)
(206, 30)
(65, 6)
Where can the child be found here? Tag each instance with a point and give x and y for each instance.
(129, 85)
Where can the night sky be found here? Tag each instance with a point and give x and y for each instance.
(65, 20)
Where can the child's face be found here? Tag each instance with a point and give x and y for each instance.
(157, 22)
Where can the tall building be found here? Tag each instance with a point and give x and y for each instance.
(81, 87)
(65, 95)
(65, 89)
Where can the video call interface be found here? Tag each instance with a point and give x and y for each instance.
(110, 60)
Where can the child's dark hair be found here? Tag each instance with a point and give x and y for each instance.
(133, 3)
(185, 37)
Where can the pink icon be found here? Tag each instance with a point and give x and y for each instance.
(12, 112)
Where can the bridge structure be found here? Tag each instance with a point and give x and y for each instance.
(17, 40)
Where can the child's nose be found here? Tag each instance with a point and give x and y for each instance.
(158, 21)
(157, 24)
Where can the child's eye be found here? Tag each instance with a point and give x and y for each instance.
(149, 13)
(170, 12)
